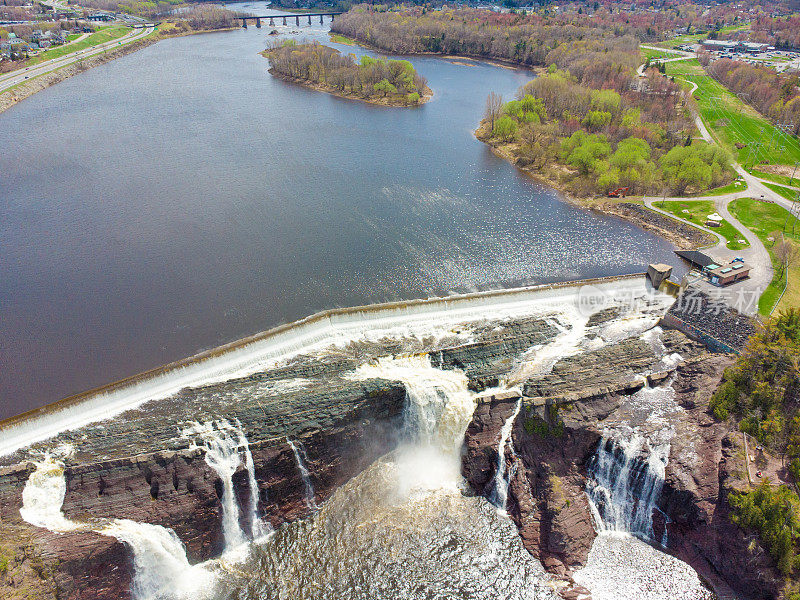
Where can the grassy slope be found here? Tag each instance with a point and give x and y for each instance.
(783, 191)
(734, 122)
(99, 37)
(698, 211)
(776, 178)
(763, 219)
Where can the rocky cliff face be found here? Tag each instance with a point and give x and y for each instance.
(706, 463)
(139, 466)
(547, 498)
(178, 490)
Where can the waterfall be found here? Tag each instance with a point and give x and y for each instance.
(43, 496)
(438, 409)
(221, 442)
(301, 458)
(438, 403)
(502, 477)
(159, 558)
(259, 528)
(626, 476)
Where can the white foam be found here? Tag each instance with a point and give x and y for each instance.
(418, 318)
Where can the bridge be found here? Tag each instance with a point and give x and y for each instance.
(272, 18)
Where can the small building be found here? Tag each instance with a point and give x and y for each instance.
(696, 258)
(100, 17)
(727, 274)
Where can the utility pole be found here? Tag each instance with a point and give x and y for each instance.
(791, 179)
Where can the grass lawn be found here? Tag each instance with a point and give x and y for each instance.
(763, 219)
(783, 191)
(737, 186)
(698, 210)
(653, 54)
(774, 177)
(343, 39)
(99, 37)
(734, 122)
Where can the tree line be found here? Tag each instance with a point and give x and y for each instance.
(761, 393)
(597, 140)
(592, 49)
(774, 95)
(394, 80)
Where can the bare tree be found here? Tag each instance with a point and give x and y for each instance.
(787, 255)
(494, 108)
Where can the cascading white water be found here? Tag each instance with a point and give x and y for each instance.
(159, 556)
(625, 481)
(539, 360)
(301, 458)
(259, 528)
(220, 441)
(43, 497)
(438, 408)
(502, 476)
(161, 566)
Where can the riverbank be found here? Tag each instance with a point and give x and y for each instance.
(27, 88)
(679, 235)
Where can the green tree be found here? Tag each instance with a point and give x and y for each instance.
(385, 87)
(595, 120)
(505, 128)
(684, 167)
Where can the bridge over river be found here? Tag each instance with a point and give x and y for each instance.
(271, 18)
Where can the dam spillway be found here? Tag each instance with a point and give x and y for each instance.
(419, 319)
(332, 385)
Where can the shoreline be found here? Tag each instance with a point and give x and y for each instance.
(321, 87)
(28, 88)
(673, 231)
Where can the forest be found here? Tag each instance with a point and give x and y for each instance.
(761, 392)
(377, 80)
(775, 95)
(591, 141)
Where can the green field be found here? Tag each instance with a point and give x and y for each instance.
(775, 178)
(783, 191)
(734, 122)
(737, 186)
(654, 54)
(764, 219)
(696, 212)
(99, 37)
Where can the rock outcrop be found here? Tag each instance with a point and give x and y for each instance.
(557, 432)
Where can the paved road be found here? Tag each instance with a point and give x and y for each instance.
(15, 77)
(756, 255)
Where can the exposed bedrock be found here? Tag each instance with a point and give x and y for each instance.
(706, 463)
(139, 465)
(547, 498)
(178, 490)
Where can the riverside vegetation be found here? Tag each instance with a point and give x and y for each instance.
(374, 80)
(590, 141)
(590, 124)
(761, 392)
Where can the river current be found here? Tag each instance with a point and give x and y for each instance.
(180, 197)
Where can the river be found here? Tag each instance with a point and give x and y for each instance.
(180, 197)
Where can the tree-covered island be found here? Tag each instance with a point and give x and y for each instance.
(374, 80)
